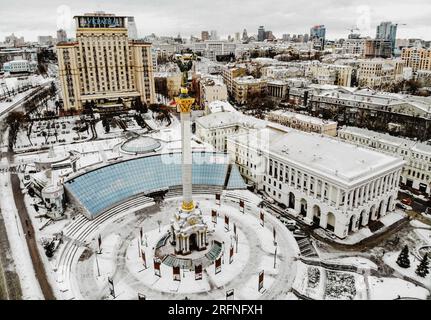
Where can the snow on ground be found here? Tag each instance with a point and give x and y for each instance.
(365, 232)
(21, 256)
(359, 262)
(63, 128)
(45, 231)
(393, 288)
(310, 281)
(424, 235)
(390, 259)
(14, 83)
(418, 224)
(120, 259)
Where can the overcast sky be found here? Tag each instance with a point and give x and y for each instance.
(30, 18)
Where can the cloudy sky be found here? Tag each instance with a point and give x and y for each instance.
(31, 18)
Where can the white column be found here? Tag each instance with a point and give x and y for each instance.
(367, 192)
(346, 196)
(323, 191)
(356, 197)
(393, 180)
(337, 201)
(373, 189)
(186, 157)
(308, 185)
(330, 190)
(302, 182)
(351, 200)
(290, 176)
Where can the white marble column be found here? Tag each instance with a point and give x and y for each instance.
(322, 191)
(351, 200)
(186, 157)
(337, 201)
(367, 192)
(290, 176)
(356, 197)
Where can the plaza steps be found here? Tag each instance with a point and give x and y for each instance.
(77, 232)
(306, 247)
(205, 261)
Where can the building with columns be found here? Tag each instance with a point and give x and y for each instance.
(337, 186)
(417, 155)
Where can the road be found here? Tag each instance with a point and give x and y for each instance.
(18, 103)
(367, 243)
(31, 241)
(10, 287)
(417, 204)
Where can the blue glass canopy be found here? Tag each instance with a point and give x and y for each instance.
(102, 188)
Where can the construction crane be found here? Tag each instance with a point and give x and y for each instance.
(351, 29)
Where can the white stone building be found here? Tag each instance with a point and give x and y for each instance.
(417, 169)
(20, 66)
(212, 89)
(216, 127)
(303, 122)
(338, 186)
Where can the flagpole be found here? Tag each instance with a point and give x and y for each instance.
(139, 249)
(97, 264)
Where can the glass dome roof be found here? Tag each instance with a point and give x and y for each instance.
(140, 145)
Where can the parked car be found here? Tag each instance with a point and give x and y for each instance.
(407, 201)
(270, 200)
(401, 206)
(290, 224)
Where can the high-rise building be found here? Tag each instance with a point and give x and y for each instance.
(45, 40)
(213, 35)
(132, 29)
(237, 36)
(205, 35)
(286, 37)
(261, 34)
(14, 40)
(244, 35)
(417, 58)
(317, 35)
(375, 48)
(387, 31)
(61, 35)
(269, 36)
(103, 66)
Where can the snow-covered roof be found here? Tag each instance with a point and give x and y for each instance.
(220, 106)
(223, 119)
(342, 162)
(383, 137)
(302, 117)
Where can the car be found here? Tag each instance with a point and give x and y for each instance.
(299, 232)
(290, 224)
(291, 227)
(401, 206)
(407, 201)
(270, 200)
